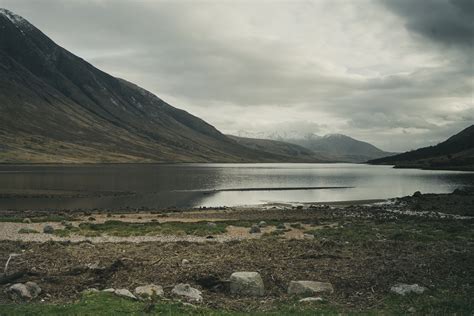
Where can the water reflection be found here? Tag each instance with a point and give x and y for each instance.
(184, 185)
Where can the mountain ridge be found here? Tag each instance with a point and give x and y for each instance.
(456, 153)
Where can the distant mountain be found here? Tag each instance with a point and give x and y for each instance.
(456, 153)
(288, 152)
(56, 107)
(340, 147)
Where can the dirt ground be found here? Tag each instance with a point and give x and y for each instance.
(362, 250)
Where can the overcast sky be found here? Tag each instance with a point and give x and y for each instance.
(397, 73)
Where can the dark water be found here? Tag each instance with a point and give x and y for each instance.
(185, 185)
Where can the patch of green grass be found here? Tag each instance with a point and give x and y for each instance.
(400, 230)
(436, 303)
(126, 229)
(28, 231)
(109, 304)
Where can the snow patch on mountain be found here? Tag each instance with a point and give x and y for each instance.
(15, 19)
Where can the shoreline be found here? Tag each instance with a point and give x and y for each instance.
(363, 248)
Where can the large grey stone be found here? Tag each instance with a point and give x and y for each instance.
(148, 291)
(188, 292)
(26, 291)
(247, 284)
(309, 287)
(403, 289)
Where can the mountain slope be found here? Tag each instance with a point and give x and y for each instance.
(340, 147)
(56, 107)
(288, 152)
(456, 153)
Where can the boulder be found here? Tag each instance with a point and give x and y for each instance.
(255, 229)
(308, 236)
(26, 291)
(48, 229)
(188, 292)
(27, 220)
(149, 291)
(125, 293)
(184, 262)
(262, 224)
(403, 289)
(309, 287)
(110, 290)
(247, 284)
(211, 224)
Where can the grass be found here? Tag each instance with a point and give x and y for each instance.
(428, 230)
(126, 229)
(437, 303)
(109, 304)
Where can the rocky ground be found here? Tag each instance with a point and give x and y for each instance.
(358, 253)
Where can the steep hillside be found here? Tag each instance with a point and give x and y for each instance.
(340, 147)
(456, 153)
(288, 152)
(56, 107)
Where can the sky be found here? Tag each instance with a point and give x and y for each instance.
(396, 73)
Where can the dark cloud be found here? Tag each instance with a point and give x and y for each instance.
(449, 22)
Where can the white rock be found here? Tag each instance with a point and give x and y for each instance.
(311, 299)
(110, 290)
(246, 283)
(403, 289)
(184, 262)
(125, 293)
(262, 224)
(188, 292)
(148, 291)
(309, 287)
(308, 236)
(28, 291)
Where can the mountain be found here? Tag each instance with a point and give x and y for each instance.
(56, 107)
(339, 147)
(456, 153)
(288, 152)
